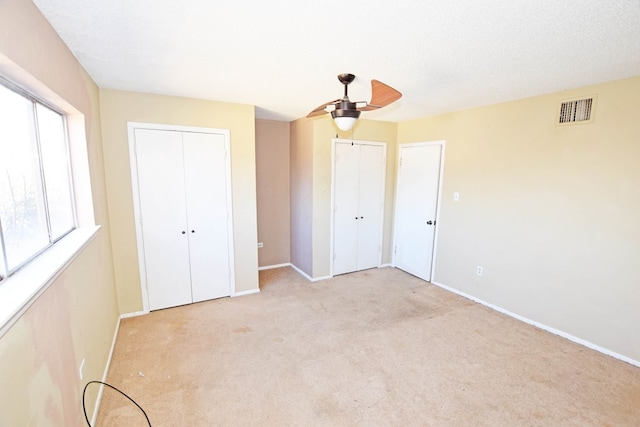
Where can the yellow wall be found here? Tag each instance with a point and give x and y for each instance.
(118, 108)
(551, 212)
(77, 315)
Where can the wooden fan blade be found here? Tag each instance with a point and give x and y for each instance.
(381, 96)
(320, 110)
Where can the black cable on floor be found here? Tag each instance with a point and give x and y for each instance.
(112, 387)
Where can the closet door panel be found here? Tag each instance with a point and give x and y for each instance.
(164, 218)
(345, 240)
(370, 198)
(206, 200)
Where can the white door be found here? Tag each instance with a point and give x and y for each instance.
(184, 216)
(370, 205)
(416, 207)
(346, 187)
(206, 196)
(359, 171)
(163, 217)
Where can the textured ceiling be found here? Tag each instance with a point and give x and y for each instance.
(283, 55)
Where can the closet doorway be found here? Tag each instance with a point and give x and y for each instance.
(181, 192)
(359, 169)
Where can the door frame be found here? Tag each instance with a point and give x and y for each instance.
(335, 141)
(442, 144)
(131, 128)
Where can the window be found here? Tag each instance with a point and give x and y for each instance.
(36, 193)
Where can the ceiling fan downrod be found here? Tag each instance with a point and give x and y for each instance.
(345, 109)
(345, 79)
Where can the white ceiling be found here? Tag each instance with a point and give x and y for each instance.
(283, 56)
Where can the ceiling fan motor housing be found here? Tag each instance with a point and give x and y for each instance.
(345, 109)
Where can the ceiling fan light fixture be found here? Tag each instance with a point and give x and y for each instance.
(345, 119)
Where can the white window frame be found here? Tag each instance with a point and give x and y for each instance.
(5, 271)
(22, 288)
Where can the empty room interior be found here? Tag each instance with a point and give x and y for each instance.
(291, 213)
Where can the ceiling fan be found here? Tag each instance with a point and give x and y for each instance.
(345, 113)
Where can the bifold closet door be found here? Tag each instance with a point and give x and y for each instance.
(347, 183)
(164, 217)
(370, 203)
(206, 200)
(358, 206)
(182, 187)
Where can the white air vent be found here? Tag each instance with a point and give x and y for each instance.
(576, 111)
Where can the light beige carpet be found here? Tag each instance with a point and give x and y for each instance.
(373, 348)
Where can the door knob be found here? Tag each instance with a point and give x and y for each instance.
(193, 231)
(430, 222)
(183, 232)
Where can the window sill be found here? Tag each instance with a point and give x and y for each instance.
(22, 289)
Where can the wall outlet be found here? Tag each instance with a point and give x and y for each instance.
(83, 366)
(260, 245)
(479, 270)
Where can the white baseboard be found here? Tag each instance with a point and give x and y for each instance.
(301, 272)
(243, 293)
(542, 326)
(269, 267)
(133, 314)
(96, 407)
(385, 266)
(309, 278)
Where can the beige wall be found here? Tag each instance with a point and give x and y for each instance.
(77, 315)
(301, 173)
(272, 188)
(551, 212)
(118, 108)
